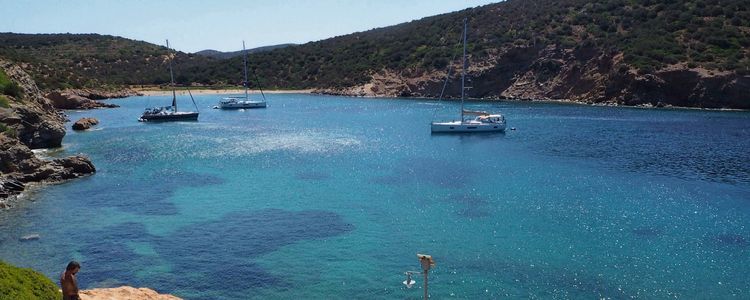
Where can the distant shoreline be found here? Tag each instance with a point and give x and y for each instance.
(209, 91)
(555, 101)
(218, 92)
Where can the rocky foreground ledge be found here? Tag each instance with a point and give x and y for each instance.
(125, 293)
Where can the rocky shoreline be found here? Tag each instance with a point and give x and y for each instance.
(87, 98)
(31, 121)
(337, 92)
(20, 167)
(552, 74)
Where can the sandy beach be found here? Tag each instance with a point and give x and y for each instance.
(149, 92)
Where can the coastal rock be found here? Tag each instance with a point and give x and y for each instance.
(39, 129)
(33, 169)
(32, 122)
(73, 166)
(12, 185)
(34, 119)
(16, 158)
(58, 170)
(71, 100)
(124, 293)
(8, 187)
(95, 94)
(86, 98)
(85, 123)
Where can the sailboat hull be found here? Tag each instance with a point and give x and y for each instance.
(179, 116)
(464, 127)
(243, 104)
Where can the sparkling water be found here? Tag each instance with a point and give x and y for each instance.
(320, 197)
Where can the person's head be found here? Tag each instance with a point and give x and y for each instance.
(73, 267)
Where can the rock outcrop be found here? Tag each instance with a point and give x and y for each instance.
(8, 187)
(32, 122)
(35, 120)
(79, 99)
(85, 123)
(124, 293)
(582, 75)
(71, 167)
(20, 166)
(95, 94)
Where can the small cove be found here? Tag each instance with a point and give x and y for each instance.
(323, 196)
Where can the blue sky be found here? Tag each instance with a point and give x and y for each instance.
(192, 25)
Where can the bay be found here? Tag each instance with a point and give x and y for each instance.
(332, 197)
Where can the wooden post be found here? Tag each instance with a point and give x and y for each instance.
(426, 294)
(427, 262)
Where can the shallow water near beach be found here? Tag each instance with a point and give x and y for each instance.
(320, 197)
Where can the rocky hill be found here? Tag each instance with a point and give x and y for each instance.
(636, 52)
(684, 53)
(28, 121)
(64, 61)
(225, 55)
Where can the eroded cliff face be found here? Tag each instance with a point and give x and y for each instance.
(31, 122)
(582, 75)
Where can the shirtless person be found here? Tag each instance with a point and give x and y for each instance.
(69, 283)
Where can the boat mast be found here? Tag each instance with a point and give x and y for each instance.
(171, 77)
(463, 75)
(244, 61)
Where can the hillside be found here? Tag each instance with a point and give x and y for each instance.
(635, 52)
(225, 55)
(686, 53)
(58, 61)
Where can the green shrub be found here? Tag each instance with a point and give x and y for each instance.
(20, 283)
(8, 87)
(4, 102)
(7, 130)
(4, 80)
(13, 89)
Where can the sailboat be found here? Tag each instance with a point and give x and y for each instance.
(170, 113)
(246, 102)
(482, 122)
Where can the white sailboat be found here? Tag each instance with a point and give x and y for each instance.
(482, 122)
(170, 113)
(240, 102)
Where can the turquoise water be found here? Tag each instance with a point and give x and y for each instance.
(332, 197)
